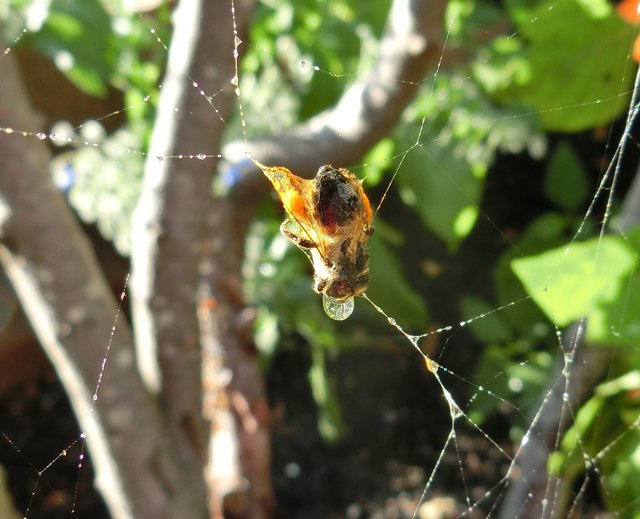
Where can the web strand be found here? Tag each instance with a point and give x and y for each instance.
(460, 408)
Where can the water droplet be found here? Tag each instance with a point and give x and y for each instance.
(201, 156)
(234, 80)
(41, 136)
(237, 41)
(337, 310)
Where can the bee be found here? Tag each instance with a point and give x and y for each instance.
(330, 219)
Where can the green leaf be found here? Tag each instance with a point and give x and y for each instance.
(621, 477)
(583, 279)
(628, 382)
(565, 182)
(590, 50)
(462, 15)
(569, 460)
(619, 321)
(377, 161)
(444, 195)
(443, 178)
(545, 232)
(581, 45)
(491, 327)
(77, 36)
(330, 423)
(388, 286)
(267, 333)
(600, 428)
(502, 66)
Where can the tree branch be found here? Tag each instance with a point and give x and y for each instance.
(63, 292)
(181, 237)
(368, 110)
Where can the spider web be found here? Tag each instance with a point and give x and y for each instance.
(542, 392)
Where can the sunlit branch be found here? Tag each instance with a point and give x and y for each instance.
(369, 108)
(64, 293)
(184, 243)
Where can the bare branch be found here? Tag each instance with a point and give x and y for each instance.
(183, 242)
(63, 292)
(369, 108)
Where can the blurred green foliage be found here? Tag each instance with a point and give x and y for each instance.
(101, 47)
(79, 38)
(512, 73)
(582, 280)
(561, 69)
(605, 436)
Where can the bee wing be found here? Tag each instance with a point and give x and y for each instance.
(296, 196)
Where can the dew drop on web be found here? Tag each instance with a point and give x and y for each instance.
(338, 310)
